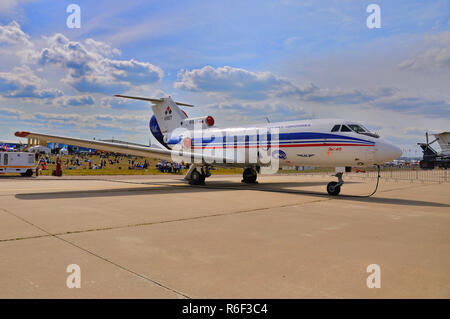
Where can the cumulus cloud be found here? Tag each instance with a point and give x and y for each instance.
(125, 104)
(252, 90)
(437, 56)
(13, 34)
(235, 82)
(127, 122)
(91, 68)
(23, 83)
(256, 112)
(76, 100)
(243, 84)
(432, 107)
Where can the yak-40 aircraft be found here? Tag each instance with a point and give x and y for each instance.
(255, 148)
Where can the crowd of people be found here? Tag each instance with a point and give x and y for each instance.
(170, 167)
(137, 164)
(85, 161)
(105, 160)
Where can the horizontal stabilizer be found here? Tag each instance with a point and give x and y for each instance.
(149, 99)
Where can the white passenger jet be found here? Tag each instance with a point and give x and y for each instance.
(255, 148)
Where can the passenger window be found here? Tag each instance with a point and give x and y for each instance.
(335, 128)
(345, 128)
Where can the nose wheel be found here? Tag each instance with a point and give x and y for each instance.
(334, 188)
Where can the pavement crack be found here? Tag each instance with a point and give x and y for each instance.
(48, 234)
(97, 256)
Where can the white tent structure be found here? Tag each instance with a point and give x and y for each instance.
(63, 151)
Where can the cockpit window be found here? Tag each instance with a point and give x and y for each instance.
(357, 128)
(360, 130)
(335, 128)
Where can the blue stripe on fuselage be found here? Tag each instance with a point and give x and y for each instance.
(283, 138)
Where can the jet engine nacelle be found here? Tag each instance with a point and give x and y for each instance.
(197, 122)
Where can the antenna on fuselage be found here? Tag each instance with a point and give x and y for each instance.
(267, 119)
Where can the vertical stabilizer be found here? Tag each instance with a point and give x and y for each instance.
(168, 114)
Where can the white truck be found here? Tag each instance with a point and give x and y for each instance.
(17, 162)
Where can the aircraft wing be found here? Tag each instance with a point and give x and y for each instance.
(152, 152)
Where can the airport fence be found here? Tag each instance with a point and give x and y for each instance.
(412, 174)
(407, 174)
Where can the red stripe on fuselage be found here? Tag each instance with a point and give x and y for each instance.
(279, 146)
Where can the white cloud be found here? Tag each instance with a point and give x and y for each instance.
(23, 83)
(243, 84)
(90, 65)
(121, 121)
(435, 57)
(13, 34)
(91, 69)
(414, 104)
(235, 82)
(79, 100)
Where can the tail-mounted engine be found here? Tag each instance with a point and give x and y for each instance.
(197, 122)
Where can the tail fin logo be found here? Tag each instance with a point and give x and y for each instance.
(168, 113)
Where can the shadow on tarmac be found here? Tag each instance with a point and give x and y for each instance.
(163, 188)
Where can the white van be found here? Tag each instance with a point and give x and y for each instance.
(17, 162)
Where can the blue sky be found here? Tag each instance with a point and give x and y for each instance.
(236, 60)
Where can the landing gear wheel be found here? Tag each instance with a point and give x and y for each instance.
(249, 176)
(28, 173)
(333, 188)
(197, 178)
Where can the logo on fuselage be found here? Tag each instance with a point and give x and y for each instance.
(279, 154)
(187, 143)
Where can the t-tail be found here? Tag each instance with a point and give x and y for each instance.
(168, 116)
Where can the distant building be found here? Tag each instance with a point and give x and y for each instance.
(11, 145)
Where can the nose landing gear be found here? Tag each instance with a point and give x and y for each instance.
(334, 188)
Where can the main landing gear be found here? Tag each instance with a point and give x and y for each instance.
(249, 176)
(198, 177)
(334, 188)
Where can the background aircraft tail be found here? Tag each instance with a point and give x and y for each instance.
(444, 141)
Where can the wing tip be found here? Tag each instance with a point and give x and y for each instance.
(22, 134)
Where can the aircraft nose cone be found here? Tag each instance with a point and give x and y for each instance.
(387, 152)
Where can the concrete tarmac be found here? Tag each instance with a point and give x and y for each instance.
(156, 237)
